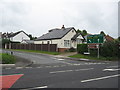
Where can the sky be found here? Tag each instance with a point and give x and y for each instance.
(36, 17)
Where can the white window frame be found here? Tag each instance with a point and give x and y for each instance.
(66, 43)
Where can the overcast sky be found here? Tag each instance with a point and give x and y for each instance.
(36, 17)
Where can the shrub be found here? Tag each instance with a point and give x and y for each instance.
(81, 48)
(110, 49)
(93, 52)
(72, 49)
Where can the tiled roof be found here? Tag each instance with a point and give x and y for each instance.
(76, 35)
(109, 38)
(55, 34)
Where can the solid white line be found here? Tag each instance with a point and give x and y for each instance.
(100, 78)
(71, 70)
(35, 88)
(111, 69)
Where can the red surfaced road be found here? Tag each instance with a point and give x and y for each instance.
(8, 80)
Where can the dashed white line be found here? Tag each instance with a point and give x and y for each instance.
(111, 66)
(19, 67)
(34, 88)
(61, 59)
(83, 81)
(28, 67)
(71, 70)
(48, 66)
(8, 68)
(38, 67)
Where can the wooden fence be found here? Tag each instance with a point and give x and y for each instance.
(41, 47)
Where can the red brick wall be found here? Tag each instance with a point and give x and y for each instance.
(62, 49)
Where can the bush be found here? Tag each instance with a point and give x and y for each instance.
(7, 59)
(72, 49)
(93, 52)
(81, 48)
(110, 49)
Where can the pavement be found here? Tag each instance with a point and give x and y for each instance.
(48, 71)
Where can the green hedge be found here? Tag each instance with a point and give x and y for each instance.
(81, 48)
(110, 49)
(7, 59)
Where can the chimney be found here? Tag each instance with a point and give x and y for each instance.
(63, 27)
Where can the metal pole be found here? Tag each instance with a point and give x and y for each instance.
(98, 51)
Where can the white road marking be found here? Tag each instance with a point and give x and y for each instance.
(39, 67)
(19, 67)
(100, 78)
(111, 69)
(48, 66)
(28, 67)
(76, 64)
(71, 70)
(84, 59)
(35, 88)
(61, 59)
(111, 66)
(7, 68)
(84, 69)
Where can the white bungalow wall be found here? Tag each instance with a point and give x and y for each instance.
(60, 42)
(19, 37)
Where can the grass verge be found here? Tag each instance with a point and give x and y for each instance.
(7, 59)
(36, 51)
(94, 58)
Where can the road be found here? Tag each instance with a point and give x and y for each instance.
(51, 72)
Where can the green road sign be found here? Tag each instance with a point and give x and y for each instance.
(95, 38)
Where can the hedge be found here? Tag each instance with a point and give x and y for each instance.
(107, 49)
(81, 48)
(110, 49)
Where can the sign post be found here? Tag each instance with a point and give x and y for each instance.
(94, 41)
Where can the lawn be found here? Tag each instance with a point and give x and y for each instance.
(36, 51)
(7, 59)
(93, 58)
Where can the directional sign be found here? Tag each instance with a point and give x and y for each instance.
(95, 38)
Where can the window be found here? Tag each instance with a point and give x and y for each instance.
(48, 42)
(79, 41)
(67, 43)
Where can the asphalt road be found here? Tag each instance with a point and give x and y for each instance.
(51, 72)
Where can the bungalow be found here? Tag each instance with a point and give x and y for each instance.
(65, 38)
(16, 37)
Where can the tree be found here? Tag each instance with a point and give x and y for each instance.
(119, 38)
(31, 37)
(102, 33)
(84, 32)
(79, 31)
